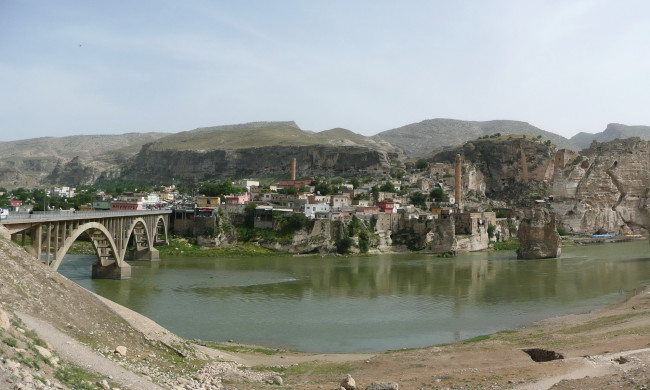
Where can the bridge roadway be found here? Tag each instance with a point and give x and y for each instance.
(51, 234)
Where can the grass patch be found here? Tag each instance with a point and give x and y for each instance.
(476, 339)
(600, 323)
(34, 337)
(184, 248)
(81, 248)
(29, 361)
(508, 245)
(507, 332)
(279, 370)
(10, 341)
(76, 377)
(241, 348)
(329, 369)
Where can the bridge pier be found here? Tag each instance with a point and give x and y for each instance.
(112, 271)
(147, 254)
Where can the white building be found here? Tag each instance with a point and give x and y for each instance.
(317, 210)
(247, 183)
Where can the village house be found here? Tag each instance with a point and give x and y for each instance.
(339, 201)
(386, 207)
(317, 210)
(208, 202)
(247, 184)
(241, 198)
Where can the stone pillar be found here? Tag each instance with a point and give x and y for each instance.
(293, 169)
(458, 181)
(112, 271)
(538, 236)
(524, 167)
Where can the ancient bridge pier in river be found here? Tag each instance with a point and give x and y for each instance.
(51, 234)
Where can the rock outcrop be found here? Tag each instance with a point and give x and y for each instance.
(269, 161)
(604, 189)
(514, 169)
(538, 236)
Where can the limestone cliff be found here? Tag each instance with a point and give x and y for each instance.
(605, 188)
(269, 161)
(513, 168)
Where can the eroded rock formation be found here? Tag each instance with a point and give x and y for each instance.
(538, 236)
(604, 189)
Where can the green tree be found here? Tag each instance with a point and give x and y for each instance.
(343, 245)
(421, 164)
(355, 182)
(219, 189)
(419, 199)
(437, 195)
(387, 187)
(375, 193)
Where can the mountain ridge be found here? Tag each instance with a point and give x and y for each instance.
(612, 131)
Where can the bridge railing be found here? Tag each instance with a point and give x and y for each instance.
(79, 214)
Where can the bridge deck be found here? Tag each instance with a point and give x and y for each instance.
(53, 216)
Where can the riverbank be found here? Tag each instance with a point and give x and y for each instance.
(493, 361)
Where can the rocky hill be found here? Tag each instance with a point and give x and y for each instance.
(70, 160)
(515, 169)
(612, 132)
(605, 188)
(434, 135)
(263, 134)
(261, 149)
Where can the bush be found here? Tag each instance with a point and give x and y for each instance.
(561, 231)
(364, 246)
(490, 230)
(343, 245)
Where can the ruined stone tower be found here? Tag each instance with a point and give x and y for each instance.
(524, 166)
(458, 180)
(293, 169)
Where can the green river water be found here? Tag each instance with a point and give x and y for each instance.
(368, 303)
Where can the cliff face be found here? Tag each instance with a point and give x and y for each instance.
(271, 161)
(78, 172)
(512, 168)
(604, 189)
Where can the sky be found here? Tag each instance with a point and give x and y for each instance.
(112, 67)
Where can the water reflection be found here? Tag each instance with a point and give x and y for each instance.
(335, 304)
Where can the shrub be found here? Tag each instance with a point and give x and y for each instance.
(343, 245)
(364, 246)
(490, 230)
(561, 231)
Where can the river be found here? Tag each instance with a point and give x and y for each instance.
(368, 303)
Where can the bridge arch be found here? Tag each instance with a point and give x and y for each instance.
(160, 232)
(138, 223)
(108, 251)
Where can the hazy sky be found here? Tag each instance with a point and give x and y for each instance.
(100, 67)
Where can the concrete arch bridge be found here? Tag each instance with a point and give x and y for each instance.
(51, 234)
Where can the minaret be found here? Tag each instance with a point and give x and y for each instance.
(293, 169)
(458, 181)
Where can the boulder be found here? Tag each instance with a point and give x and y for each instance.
(103, 384)
(4, 320)
(383, 386)
(348, 383)
(121, 350)
(43, 351)
(538, 236)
